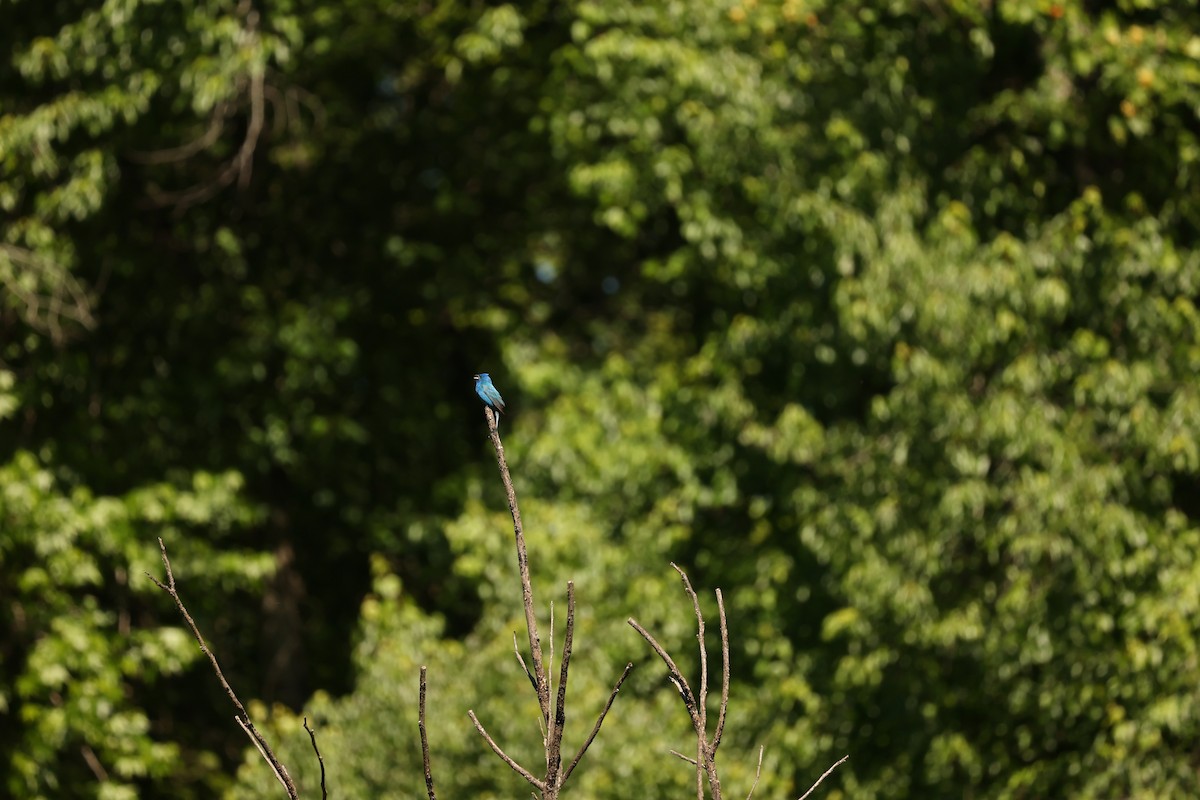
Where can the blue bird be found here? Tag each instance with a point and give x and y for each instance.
(488, 394)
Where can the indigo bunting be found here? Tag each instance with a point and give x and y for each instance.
(488, 394)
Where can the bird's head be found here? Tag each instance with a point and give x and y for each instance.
(480, 375)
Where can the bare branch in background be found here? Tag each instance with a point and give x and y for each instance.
(254, 94)
(242, 718)
(757, 774)
(47, 293)
(706, 750)
(599, 722)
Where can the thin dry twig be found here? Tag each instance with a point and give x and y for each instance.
(724, 673)
(702, 700)
(93, 763)
(424, 740)
(242, 718)
(535, 642)
(554, 746)
(599, 722)
(825, 775)
(517, 768)
(549, 685)
(682, 757)
(521, 661)
(312, 736)
(757, 773)
(676, 675)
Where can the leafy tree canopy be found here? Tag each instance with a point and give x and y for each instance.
(880, 316)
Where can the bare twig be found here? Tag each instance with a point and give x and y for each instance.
(282, 777)
(424, 741)
(98, 770)
(682, 757)
(599, 722)
(702, 700)
(521, 660)
(757, 774)
(312, 736)
(825, 775)
(535, 642)
(549, 685)
(724, 674)
(243, 719)
(554, 746)
(676, 676)
(517, 768)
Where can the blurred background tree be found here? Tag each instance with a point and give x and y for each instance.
(880, 316)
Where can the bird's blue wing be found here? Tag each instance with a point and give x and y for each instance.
(494, 398)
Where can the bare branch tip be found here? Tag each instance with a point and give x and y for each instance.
(825, 775)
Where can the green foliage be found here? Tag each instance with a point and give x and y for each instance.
(880, 316)
(82, 657)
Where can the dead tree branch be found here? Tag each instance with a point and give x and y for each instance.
(312, 736)
(242, 718)
(424, 740)
(696, 705)
(553, 710)
(824, 775)
(706, 751)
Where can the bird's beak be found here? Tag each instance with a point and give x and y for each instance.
(476, 377)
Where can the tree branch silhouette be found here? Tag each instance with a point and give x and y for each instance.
(242, 717)
(553, 710)
(705, 762)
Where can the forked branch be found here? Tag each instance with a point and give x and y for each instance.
(553, 710)
(697, 705)
(705, 762)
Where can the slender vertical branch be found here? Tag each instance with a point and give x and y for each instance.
(546, 732)
(706, 753)
(702, 700)
(724, 677)
(424, 741)
(757, 774)
(312, 736)
(554, 745)
(535, 643)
